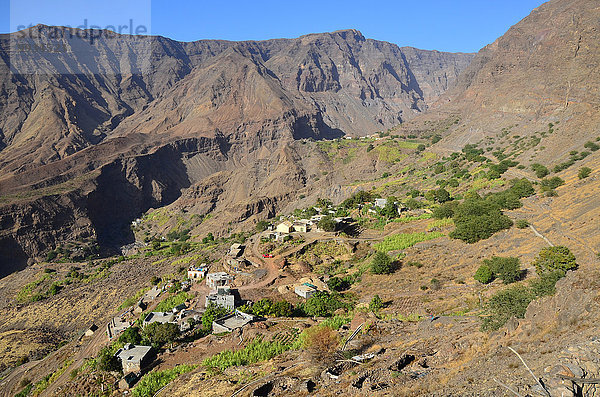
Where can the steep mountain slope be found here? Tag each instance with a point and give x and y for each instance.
(131, 122)
(544, 69)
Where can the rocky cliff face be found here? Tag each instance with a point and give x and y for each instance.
(544, 69)
(131, 123)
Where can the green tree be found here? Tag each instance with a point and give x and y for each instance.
(584, 172)
(508, 269)
(550, 259)
(131, 335)
(282, 308)
(540, 170)
(322, 304)
(445, 210)
(412, 204)
(262, 307)
(107, 361)
(441, 195)
(212, 313)
(327, 224)
(381, 263)
(160, 334)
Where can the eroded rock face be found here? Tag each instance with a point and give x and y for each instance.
(209, 122)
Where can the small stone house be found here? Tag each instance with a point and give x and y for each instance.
(134, 358)
(301, 227)
(285, 227)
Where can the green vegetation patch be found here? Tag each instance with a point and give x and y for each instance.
(169, 303)
(258, 350)
(405, 240)
(156, 380)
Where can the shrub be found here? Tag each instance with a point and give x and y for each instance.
(540, 170)
(503, 305)
(584, 172)
(522, 223)
(376, 304)
(323, 304)
(381, 263)
(51, 256)
(327, 224)
(508, 269)
(484, 274)
(478, 220)
(338, 284)
(550, 259)
(169, 303)
(546, 284)
(211, 313)
(156, 380)
(551, 183)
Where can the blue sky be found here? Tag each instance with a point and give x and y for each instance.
(445, 25)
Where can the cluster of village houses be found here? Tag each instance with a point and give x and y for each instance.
(135, 357)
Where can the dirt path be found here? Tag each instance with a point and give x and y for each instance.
(540, 235)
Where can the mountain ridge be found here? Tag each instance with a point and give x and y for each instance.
(247, 101)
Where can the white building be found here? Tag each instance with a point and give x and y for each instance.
(218, 279)
(305, 291)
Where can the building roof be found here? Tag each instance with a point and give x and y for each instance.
(235, 320)
(304, 288)
(132, 353)
(286, 223)
(160, 317)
